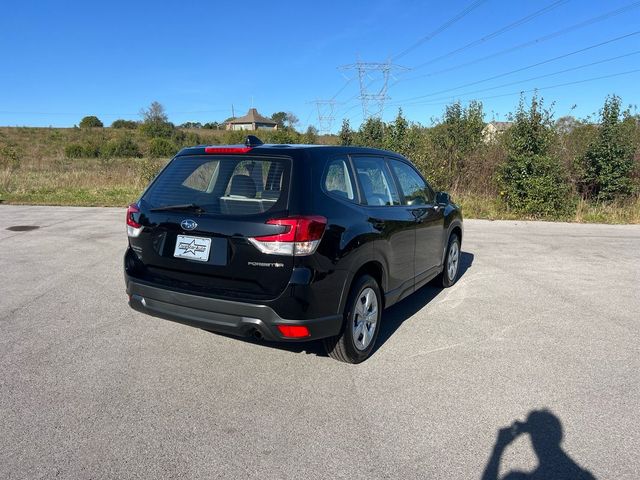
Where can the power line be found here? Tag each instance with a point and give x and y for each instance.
(496, 33)
(502, 30)
(548, 87)
(306, 122)
(491, 35)
(342, 89)
(525, 67)
(441, 28)
(578, 67)
(535, 41)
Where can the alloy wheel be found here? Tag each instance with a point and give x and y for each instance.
(365, 318)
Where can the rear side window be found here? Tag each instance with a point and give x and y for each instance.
(337, 180)
(223, 185)
(375, 181)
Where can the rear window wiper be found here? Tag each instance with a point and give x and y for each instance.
(183, 206)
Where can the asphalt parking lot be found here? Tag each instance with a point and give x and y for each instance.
(545, 316)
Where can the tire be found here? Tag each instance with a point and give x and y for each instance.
(361, 323)
(451, 265)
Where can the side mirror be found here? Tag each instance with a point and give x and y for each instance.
(443, 198)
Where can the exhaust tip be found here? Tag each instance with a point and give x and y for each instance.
(257, 335)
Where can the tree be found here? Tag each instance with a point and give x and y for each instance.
(280, 118)
(531, 180)
(608, 162)
(190, 125)
(155, 122)
(154, 114)
(371, 133)
(91, 121)
(396, 134)
(346, 134)
(292, 120)
(311, 135)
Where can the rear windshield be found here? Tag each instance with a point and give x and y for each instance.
(234, 185)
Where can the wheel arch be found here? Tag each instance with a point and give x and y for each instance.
(373, 268)
(457, 229)
(454, 227)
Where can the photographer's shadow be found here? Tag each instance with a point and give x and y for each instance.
(545, 432)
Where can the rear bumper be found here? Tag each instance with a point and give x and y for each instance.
(223, 316)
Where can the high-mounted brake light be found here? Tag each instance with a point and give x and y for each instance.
(300, 236)
(232, 150)
(134, 229)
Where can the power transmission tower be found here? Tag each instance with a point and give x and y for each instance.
(373, 101)
(326, 114)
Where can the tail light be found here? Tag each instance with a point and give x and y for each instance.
(134, 229)
(300, 236)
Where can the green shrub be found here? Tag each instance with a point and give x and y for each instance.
(9, 157)
(535, 185)
(91, 121)
(232, 137)
(371, 133)
(346, 134)
(178, 137)
(191, 139)
(285, 135)
(531, 181)
(78, 150)
(608, 162)
(185, 139)
(161, 147)
(311, 135)
(126, 124)
(123, 147)
(154, 129)
(148, 169)
(456, 137)
(74, 150)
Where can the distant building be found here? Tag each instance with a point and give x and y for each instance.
(493, 129)
(252, 121)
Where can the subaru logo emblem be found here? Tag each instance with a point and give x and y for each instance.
(188, 224)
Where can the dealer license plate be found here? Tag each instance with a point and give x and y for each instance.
(193, 248)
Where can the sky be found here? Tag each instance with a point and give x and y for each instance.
(60, 61)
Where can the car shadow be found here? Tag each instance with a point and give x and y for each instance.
(545, 432)
(392, 318)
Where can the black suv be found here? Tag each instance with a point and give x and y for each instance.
(288, 242)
